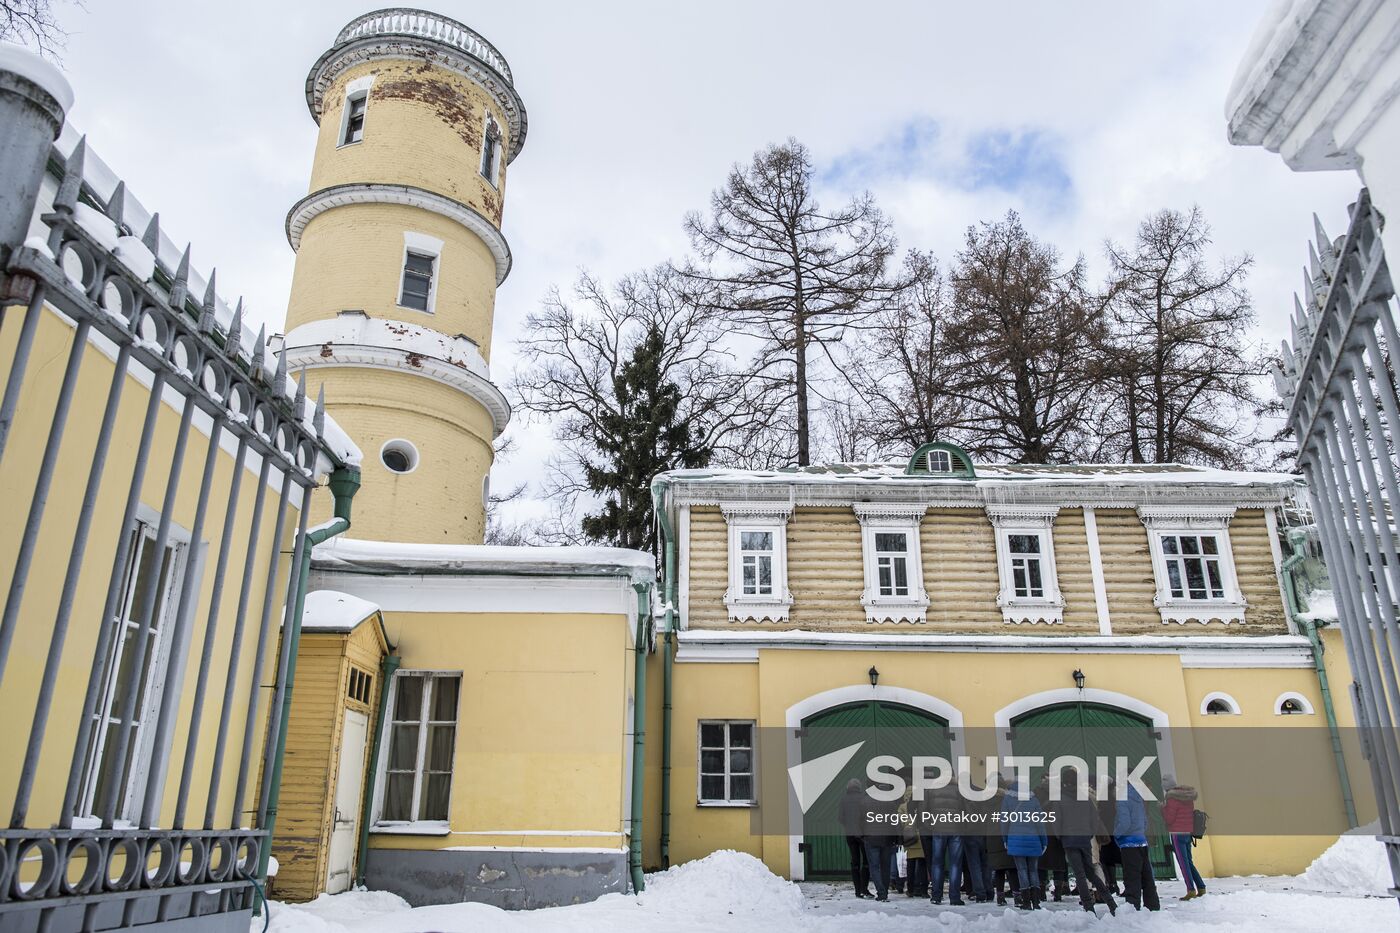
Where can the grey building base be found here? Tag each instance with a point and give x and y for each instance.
(511, 879)
(109, 917)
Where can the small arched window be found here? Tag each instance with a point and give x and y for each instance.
(1219, 704)
(1292, 704)
(941, 459)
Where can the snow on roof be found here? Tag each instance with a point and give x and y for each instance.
(330, 611)
(996, 474)
(395, 556)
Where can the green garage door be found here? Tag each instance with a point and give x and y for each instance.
(887, 729)
(1089, 730)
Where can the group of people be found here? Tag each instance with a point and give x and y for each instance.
(1017, 838)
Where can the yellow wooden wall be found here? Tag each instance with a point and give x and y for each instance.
(826, 573)
(311, 764)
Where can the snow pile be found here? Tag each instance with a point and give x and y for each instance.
(137, 257)
(329, 912)
(721, 884)
(26, 64)
(1322, 607)
(98, 225)
(1355, 864)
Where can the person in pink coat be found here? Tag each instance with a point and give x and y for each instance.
(1179, 813)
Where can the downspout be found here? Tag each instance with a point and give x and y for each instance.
(1309, 627)
(344, 483)
(659, 488)
(387, 668)
(639, 722)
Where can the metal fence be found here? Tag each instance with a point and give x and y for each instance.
(1338, 375)
(108, 863)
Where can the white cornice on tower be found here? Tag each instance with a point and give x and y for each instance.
(318, 202)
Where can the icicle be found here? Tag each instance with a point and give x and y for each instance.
(233, 341)
(259, 352)
(67, 197)
(151, 238)
(206, 310)
(180, 287)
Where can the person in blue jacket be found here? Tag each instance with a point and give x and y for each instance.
(1023, 825)
(1130, 833)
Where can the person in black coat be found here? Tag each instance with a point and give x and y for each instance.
(852, 819)
(881, 834)
(1076, 824)
(1109, 857)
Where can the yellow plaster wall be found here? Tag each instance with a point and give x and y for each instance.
(351, 258)
(423, 127)
(440, 502)
(19, 691)
(980, 684)
(542, 727)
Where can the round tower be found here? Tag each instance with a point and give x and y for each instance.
(399, 253)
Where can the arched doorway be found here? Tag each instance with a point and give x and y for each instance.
(888, 728)
(1091, 730)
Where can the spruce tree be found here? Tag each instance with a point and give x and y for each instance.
(639, 437)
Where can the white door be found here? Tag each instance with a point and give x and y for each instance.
(349, 788)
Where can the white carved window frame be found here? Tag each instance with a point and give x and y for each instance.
(1163, 521)
(492, 142)
(769, 517)
(900, 518)
(1039, 521)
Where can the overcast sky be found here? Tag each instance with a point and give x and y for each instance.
(1082, 116)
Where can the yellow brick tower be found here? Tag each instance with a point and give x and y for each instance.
(399, 253)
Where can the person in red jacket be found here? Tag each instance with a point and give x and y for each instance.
(1179, 813)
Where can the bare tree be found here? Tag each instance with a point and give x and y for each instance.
(31, 22)
(781, 269)
(1020, 346)
(1180, 375)
(580, 357)
(902, 370)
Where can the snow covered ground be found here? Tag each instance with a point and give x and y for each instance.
(730, 892)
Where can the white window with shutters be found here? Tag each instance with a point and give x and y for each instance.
(758, 588)
(414, 789)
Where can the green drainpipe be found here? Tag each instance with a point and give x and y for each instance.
(387, 667)
(639, 722)
(1309, 627)
(668, 538)
(344, 483)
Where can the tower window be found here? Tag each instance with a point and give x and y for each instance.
(354, 119)
(417, 288)
(490, 150)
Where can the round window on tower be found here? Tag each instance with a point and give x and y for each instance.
(399, 456)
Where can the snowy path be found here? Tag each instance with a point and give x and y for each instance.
(730, 893)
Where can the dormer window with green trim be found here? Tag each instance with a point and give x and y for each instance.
(942, 460)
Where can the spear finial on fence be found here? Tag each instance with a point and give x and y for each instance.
(206, 310)
(299, 402)
(259, 352)
(1281, 382)
(116, 204)
(318, 420)
(151, 238)
(279, 378)
(67, 197)
(233, 341)
(180, 286)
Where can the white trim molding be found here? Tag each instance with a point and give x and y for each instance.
(858, 693)
(319, 202)
(1162, 521)
(900, 518)
(1302, 701)
(1161, 723)
(1222, 697)
(1034, 521)
(1091, 534)
(771, 518)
